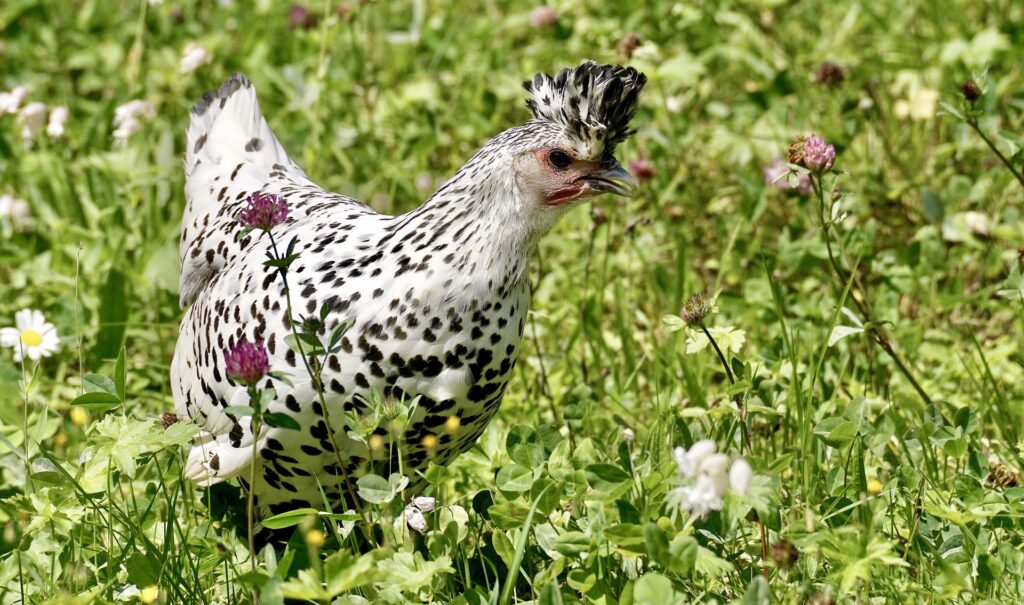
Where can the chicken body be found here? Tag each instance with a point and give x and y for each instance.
(436, 297)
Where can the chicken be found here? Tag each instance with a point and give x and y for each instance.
(437, 297)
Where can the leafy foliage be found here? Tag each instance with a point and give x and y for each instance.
(869, 330)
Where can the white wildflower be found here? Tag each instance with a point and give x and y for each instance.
(32, 336)
(700, 498)
(10, 101)
(739, 476)
(58, 117)
(127, 117)
(127, 128)
(628, 435)
(32, 118)
(689, 462)
(424, 503)
(712, 474)
(193, 57)
(414, 517)
(13, 209)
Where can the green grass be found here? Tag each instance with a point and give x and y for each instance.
(887, 495)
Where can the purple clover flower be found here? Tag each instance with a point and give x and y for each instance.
(543, 16)
(642, 169)
(300, 17)
(263, 211)
(818, 155)
(777, 173)
(247, 363)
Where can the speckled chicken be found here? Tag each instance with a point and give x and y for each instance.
(437, 297)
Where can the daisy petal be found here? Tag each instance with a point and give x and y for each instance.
(23, 319)
(9, 337)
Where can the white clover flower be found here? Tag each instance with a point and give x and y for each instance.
(700, 498)
(134, 109)
(193, 57)
(10, 101)
(689, 462)
(740, 474)
(126, 117)
(33, 336)
(13, 209)
(58, 117)
(414, 517)
(32, 118)
(713, 475)
(628, 435)
(127, 128)
(424, 503)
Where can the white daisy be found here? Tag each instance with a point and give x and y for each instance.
(33, 336)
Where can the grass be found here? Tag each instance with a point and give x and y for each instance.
(869, 488)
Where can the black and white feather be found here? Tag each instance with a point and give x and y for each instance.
(593, 103)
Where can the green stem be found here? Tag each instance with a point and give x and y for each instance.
(314, 377)
(973, 123)
(254, 398)
(736, 396)
(745, 434)
(879, 335)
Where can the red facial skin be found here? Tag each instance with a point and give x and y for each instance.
(566, 183)
(564, 195)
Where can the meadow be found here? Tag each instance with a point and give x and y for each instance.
(851, 331)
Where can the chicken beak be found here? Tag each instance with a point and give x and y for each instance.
(614, 180)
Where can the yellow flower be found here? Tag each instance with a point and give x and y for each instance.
(376, 443)
(874, 487)
(149, 594)
(451, 426)
(78, 416)
(429, 441)
(923, 102)
(314, 538)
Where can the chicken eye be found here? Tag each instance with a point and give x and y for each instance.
(559, 159)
